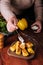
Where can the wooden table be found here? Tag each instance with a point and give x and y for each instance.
(37, 60)
(0, 62)
(0, 57)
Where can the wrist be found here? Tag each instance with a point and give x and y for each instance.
(39, 19)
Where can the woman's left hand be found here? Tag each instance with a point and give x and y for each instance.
(37, 23)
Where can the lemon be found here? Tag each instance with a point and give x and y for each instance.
(22, 24)
(25, 22)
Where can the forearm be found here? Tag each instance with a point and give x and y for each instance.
(38, 10)
(5, 9)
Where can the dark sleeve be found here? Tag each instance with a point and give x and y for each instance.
(38, 10)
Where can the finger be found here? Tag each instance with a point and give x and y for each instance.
(11, 29)
(33, 24)
(38, 31)
(16, 27)
(15, 22)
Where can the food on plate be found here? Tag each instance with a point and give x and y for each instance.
(29, 44)
(30, 50)
(22, 24)
(17, 45)
(18, 50)
(24, 52)
(24, 49)
(13, 47)
(22, 46)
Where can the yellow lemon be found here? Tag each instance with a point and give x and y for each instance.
(22, 24)
(25, 22)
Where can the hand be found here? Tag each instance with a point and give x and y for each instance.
(38, 23)
(12, 24)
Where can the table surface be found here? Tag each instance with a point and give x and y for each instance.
(0, 57)
(37, 60)
(0, 62)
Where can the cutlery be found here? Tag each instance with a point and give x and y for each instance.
(20, 37)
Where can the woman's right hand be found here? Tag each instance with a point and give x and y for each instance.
(12, 24)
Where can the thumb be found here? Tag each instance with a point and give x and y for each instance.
(34, 24)
(15, 26)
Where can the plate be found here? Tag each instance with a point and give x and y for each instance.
(26, 38)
